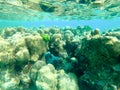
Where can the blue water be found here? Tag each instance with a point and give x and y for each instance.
(96, 23)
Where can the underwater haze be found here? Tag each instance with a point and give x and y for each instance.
(103, 25)
(59, 44)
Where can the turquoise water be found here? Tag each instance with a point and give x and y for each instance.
(72, 55)
(94, 23)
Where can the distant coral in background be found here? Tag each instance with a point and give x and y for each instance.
(59, 59)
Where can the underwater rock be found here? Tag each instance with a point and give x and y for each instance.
(68, 36)
(70, 47)
(7, 58)
(53, 80)
(49, 78)
(15, 55)
(36, 46)
(56, 45)
(7, 32)
(22, 55)
(114, 33)
(34, 70)
(37, 65)
(46, 78)
(100, 49)
(116, 67)
(54, 30)
(25, 80)
(67, 81)
(85, 85)
(51, 59)
(6, 53)
(101, 52)
(95, 32)
(27, 63)
(8, 80)
(10, 85)
(11, 31)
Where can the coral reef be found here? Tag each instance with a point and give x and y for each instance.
(102, 53)
(59, 59)
(15, 54)
(36, 46)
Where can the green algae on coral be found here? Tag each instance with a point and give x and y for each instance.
(45, 37)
